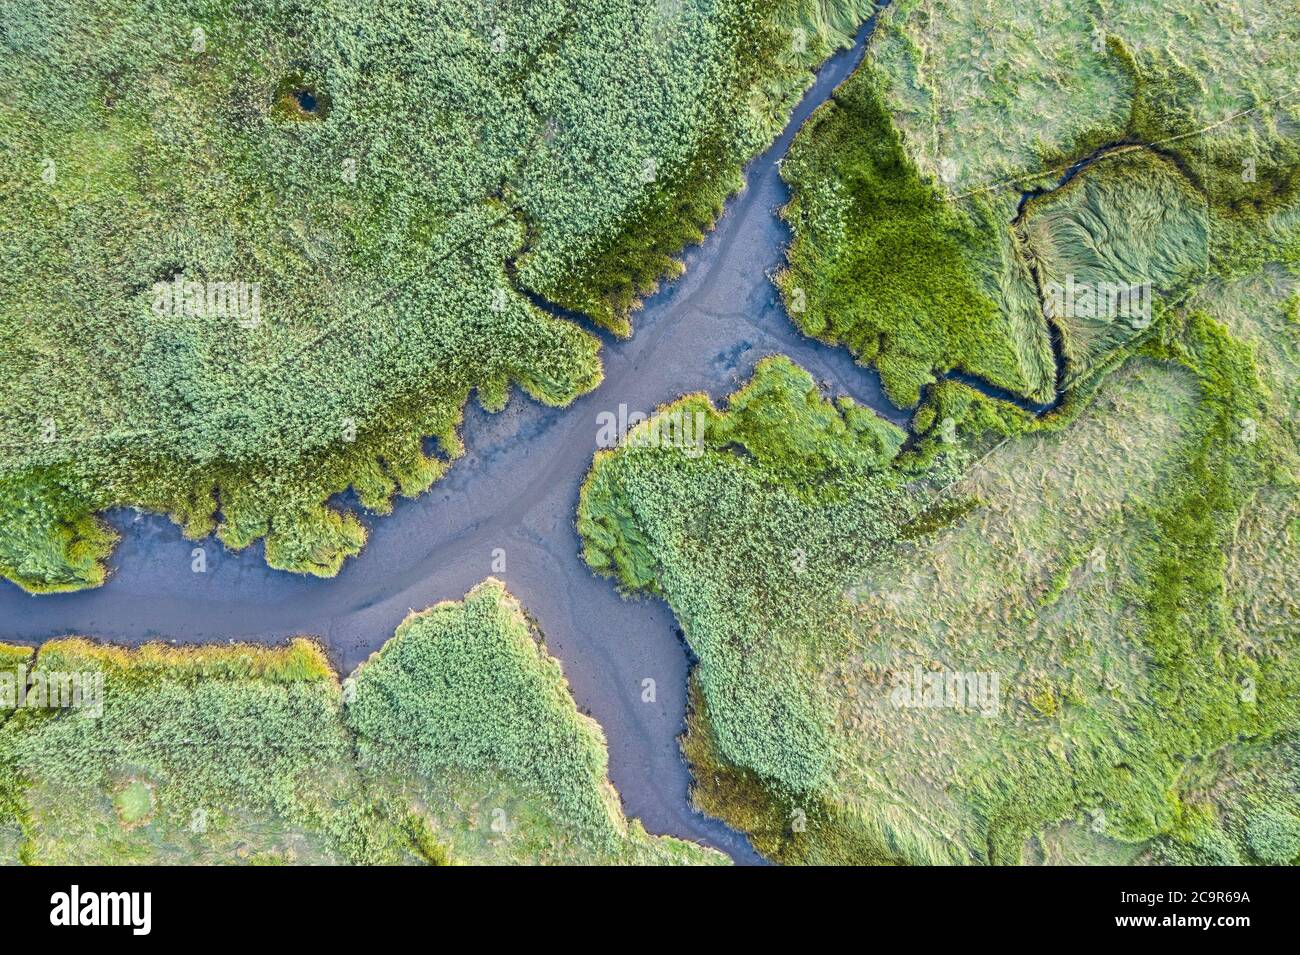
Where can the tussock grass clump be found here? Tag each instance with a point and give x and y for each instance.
(1112, 250)
(1240, 806)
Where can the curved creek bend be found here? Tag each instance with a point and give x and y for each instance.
(516, 488)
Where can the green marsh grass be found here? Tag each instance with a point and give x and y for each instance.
(255, 755)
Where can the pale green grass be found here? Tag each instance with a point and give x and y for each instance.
(1128, 223)
(1008, 96)
(1031, 586)
(204, 755)
(466, 718)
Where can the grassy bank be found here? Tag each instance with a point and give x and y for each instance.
(230, 308)
(881, 264)
(457, 743)
(1085, 561)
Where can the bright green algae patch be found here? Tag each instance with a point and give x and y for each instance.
(882, 264)
(457, 743)
(267, 251)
